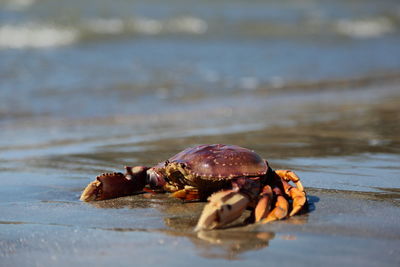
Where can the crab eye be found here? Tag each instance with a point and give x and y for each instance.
(155, 179)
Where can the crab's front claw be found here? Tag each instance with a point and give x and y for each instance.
(112, 185)
(223, 207)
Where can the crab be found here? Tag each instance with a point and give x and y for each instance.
(231, 177)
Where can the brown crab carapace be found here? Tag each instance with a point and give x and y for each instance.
(233, 178)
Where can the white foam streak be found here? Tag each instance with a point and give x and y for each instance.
(18, 4)
(105, 26)
(143, 25)
(367, 28)
(35, 36)
(147, 26)
(187, 25)
(40, 35)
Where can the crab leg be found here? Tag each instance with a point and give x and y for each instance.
(299, 198)
(280, 210)
(188, 193)
(290, 176)
(263, 204)
(296, 193)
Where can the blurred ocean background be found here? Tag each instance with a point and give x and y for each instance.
(83, 59)
(90, 86)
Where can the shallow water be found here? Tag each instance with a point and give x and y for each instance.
(311, 86)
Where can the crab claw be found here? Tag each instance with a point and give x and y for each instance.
(112, 185)
(223, 207)
(91, 191)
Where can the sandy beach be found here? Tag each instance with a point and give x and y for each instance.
(313, 87)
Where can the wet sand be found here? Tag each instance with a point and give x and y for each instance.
(346, 153)
(343, 227)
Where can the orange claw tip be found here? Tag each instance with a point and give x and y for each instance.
(91, 191)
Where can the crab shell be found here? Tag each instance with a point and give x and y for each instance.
(210, 168)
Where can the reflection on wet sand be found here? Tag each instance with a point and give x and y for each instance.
(226, 243)
(180, 219)
(230, 244)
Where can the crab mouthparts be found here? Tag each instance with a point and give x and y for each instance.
(155, 179)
